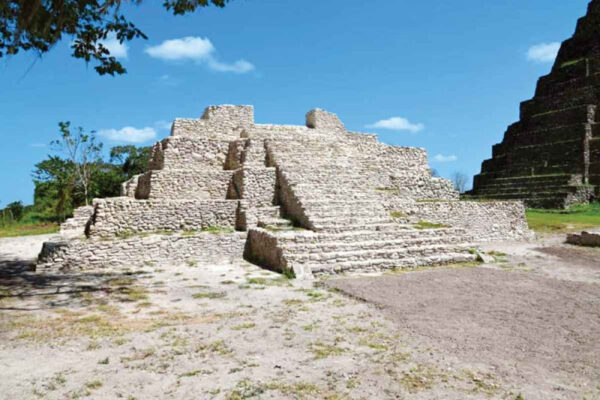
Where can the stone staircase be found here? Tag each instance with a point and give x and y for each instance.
(544, 191)
(76, 225)
(324, 188)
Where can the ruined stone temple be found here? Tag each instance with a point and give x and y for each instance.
(314, 199)
(551, 157)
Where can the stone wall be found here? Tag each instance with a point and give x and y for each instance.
(157, 157)
(129, 187)
(249, 215)
(397, 161)
(140, 251)
(483, 221)
(187, 153)
(255, 185)
(423, 188)
(124, 215)
(234, 154)
(323, 120)
(173, 184)
(218, 122)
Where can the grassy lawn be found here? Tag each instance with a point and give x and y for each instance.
(28, 229)
(575, 218)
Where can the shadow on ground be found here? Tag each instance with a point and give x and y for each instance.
(38, 290)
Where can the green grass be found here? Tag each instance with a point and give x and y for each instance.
(210, 295)
(398, 214)
(217, 230)
(428, 225)
(28, 229)
(576, 218)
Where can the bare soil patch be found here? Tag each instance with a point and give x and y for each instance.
(538, 333)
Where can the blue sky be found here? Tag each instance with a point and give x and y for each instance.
(446, 76)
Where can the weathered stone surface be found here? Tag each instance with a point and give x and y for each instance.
(550, 158)
(124, 215)
(75, 226)
(139, 251)
(315, 199)
(482, 221)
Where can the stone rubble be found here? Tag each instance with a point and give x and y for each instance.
(586, 239)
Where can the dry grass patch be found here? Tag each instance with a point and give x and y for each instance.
(248, 325)
(69, 324)
(279, 281)
(247, 389)
(322, 350)
(140, 355)
(210, 295)
(218, 347)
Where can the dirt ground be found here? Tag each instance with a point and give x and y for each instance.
(525, 326)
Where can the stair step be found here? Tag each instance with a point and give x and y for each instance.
(382, 264)
(350, 223)
(355, 255)
(331, 246)
(391, 232)
(275, 222)
(491, 189)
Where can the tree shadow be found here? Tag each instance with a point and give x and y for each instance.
(22, 288)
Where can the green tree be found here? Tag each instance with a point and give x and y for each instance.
(83, 152)
(78, 173)
(16, 208)
(54, 181)
(107, 180)
(37, 25)
(133, 160)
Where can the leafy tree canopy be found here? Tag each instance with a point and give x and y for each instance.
(16, 209)
(77, 173)
(37, 25)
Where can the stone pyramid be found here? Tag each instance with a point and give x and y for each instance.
(551, 157)
(313, 199)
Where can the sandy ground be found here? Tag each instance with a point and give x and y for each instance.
(523, 327)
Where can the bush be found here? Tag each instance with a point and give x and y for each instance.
(16, 208)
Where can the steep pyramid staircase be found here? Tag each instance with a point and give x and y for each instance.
(551, 157)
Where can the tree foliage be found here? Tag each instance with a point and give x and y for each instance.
(37, 25)
(83, 151)
(54, 180)
(78, 173)
(16, 210)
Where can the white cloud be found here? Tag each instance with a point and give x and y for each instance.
(129, 134)
(194, 48)
(239, 67)
(117, 49)
(444, 159)
(543, 52)
(197, 49)
(397, 124)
